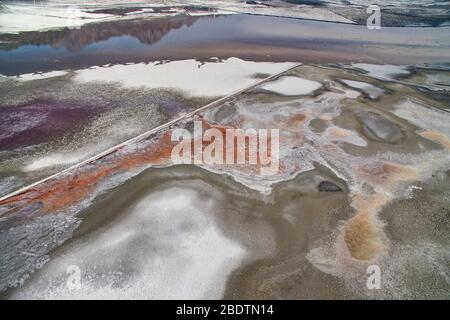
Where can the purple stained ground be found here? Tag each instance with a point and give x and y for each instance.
(36, 122)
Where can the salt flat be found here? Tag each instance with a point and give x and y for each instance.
(94, 206)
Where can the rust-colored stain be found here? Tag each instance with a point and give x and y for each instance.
(399, 172)
(340, 132)
(436, 137)
(65, 190)
(246, 150)
(389, 172)
(364, 237)
(295, 122)
(68, 189)
(370, 204)
(363, 234)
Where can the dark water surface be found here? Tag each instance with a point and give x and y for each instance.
(248, 37)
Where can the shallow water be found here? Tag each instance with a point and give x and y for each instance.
(242, 36)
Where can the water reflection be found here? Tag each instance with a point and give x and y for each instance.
(255, 38)
(74, 40)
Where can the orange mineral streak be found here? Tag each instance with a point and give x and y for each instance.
(66, 190)
(388, 172)
(222, 128)
(364, 238)
(437, 137)
(399, 172)
(339, 132)
(295, 122)
(363, 234)
(370, 204)
(246, 148)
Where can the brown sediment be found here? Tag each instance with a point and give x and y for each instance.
(67, 190)
(363, 234)
(246, 150)
(80, 185)
(64, 191)
(437, 137)
(399, 172)
(222, 128)
(339, 132)
(363, 237)
(370, 204)
(389, 172)
(296, 120)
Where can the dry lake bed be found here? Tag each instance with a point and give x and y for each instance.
(93, 205)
